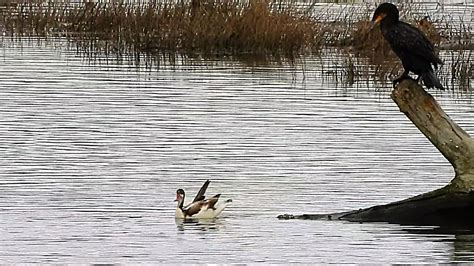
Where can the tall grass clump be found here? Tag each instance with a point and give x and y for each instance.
(269, 29)
(462, 69)
(202, 27)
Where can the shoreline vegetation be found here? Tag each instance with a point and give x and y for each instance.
(282, 30)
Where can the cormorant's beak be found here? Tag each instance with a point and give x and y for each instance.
(376, 20)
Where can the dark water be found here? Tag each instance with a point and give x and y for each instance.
(93, 152)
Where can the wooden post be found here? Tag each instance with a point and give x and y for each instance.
(451, 140)
(452, 205)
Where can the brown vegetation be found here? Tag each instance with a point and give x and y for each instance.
(212, 28)
(205, 27)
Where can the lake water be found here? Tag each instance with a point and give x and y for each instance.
(92, 153)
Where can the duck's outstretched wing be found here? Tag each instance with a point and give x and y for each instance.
(202, 191)
(201, 206)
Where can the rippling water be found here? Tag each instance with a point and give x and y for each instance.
(92, 155)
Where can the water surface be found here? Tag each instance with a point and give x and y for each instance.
(92, 154)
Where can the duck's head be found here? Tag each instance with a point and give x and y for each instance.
(180, 196)
(386, 12)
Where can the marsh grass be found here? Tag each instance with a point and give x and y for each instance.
(209, 27)
(264, 29)
(462, 69)
(219, 27)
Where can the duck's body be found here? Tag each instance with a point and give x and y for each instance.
(204, 209)
(200, 208)
(410, 44)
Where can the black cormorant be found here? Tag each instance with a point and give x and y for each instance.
(410, 44)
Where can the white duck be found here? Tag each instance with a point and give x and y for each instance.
(200, 208)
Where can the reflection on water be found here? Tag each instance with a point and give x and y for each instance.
(200, 224)
(93, 154)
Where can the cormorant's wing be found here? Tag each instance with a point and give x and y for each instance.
(407, 39)
(202, 191)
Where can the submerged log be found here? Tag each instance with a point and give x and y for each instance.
(452, 205)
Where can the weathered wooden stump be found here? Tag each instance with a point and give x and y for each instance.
(452, 205)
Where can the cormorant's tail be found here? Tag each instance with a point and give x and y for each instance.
(431, 80)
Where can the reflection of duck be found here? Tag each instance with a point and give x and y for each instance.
(200, 208)
(199, 224)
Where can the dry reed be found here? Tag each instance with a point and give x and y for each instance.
(213, 28)
(204, 27)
